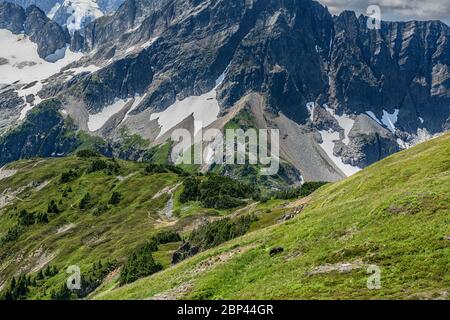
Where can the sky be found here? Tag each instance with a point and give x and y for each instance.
(396, 9)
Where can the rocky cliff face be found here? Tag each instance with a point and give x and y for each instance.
(401, 66)
(12, 17)
(43, 134)
(48, 35)
(44, 5)
(342, 95)
(134, 18)
(122, 79)
(73, 14)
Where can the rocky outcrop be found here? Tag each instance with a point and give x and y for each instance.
(43, 134)
(10, 104)
(44, 5)
(185, 251)
(12, 17)
(404, 66)
(59, 10)
(47, 34)
(279, 57)
(121, 79)
(118, 26)
(369, 143)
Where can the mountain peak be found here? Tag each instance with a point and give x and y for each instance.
(344, 96)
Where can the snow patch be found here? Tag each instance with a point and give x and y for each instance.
(24, 64)
(137, 100)
(345, 122)
(81, 12)
(310, 107)
(328, 143)
(373, 116)
(389, 120)
(26, 92)
(90, 68)
(221, 78)
(204, 108)
(53, 10)
(96, 121)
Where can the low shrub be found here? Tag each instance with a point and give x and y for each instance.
(164, 237)
(52, 207)
(85, 202)
(115, 198)
(215, 233)
(140, 264)
(99, 165)
(216, 192)
(68, 176)
(303, 191)
(87, 153)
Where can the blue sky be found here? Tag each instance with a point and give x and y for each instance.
(397, 9)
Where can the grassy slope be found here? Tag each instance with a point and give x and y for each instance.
(395, 214)
(92, 238)
(110, 236)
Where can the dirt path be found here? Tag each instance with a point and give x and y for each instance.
(168, 210)
(343, 267)
(299, 203)
(243, 210)
(66, 228)
(166, 214)
(122, 179)
(166, 190)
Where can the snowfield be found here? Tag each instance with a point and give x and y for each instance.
(345, 122)
(204, 108)
(24, 66)
(389, 120)
(373, 116)
(96, 121)
(328, 138)
(310, 107)
(23, 62)
(82, 12)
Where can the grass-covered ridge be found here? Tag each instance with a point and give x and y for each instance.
(97, 213)
(394, 214)
(89, 225)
